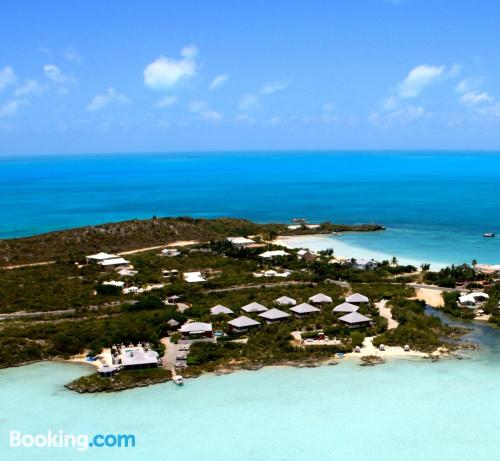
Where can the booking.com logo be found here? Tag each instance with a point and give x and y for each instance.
(60, 439)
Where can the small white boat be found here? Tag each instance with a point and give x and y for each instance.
(178, 379)
(489, 235)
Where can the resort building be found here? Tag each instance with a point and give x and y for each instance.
(306, 255)
(114, 283)
(240, 242)
(132, 289)
(272, 273)
(107, 371)
(274, 315)
(364, 264)
(320, 298)
(304, 309)
(136, 358)
(114, 262)
(173, 324)
(242, 324)
(355, 320)
(193, 277)
(220, 309)
(126, 272)
(97, 258)
(489, 269)
(196, 330)
(472, 299)
(170, 252)
(254, 307)
(285, 301)
(345, 308)
(274, 254)
(357, 298)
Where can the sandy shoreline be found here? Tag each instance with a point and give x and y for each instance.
(318, 242)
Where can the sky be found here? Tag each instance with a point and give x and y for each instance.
(158, 76)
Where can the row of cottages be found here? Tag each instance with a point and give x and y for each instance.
(352, 318)
(107, 260)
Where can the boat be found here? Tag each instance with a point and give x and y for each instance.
(489, 234)
(178, 379)
(299, 220)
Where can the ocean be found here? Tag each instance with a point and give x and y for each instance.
(414, 410)
(435, 205)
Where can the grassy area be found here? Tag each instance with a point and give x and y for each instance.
(121, 381)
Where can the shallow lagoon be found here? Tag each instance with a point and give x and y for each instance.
(406, 409)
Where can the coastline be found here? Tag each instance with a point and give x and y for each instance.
(342, 250)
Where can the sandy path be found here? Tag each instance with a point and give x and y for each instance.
(386, 313)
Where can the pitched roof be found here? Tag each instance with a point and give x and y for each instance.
(304, 308)
(345, 307)
(101, 256)
(220, 309)
(354, 317)
(196, 327)
(240, 240)
(286, 301)
(243, 322)
(114, 262)
(357, 298)
(172, 323)
(274, 314)
(272, 254)
(320, 298)
(254, 307)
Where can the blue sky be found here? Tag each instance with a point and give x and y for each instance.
(126, 76)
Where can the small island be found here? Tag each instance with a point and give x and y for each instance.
(217, 296)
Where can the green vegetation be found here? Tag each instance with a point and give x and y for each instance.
(121, 381)
(420, 331)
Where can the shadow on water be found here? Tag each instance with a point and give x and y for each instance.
(482, 334)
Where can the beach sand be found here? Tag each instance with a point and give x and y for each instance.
(432, 297)
(317, 242)
(82, 358)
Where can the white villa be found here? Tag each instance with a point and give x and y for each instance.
(98, 257)
(135, 358)
(472, 299)
(170, 252)
(345, 307)
(254, 307)
(220, 309)
(304, 309)
(273, 254)
(274, 315)
(364, 264)
(355, 320)
(193, 277)
(285, 301)
(197, 330)
(357, 298)
(320, 298)
(240, 242)
(242, 324)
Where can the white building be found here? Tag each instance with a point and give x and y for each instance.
(242, 324)
(285, 301)
(320, 298)
(240, 242)
(254, 307)
(274, 254)
(193, 277)
(170, 252)
(357, 298)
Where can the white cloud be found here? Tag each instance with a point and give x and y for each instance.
(275, 121)
(475, 98)
(29, 87)
(52, 72)
(111, 96)
(401, 116)
(218, 81)
(328, 106)
(419, 78)
(167, 101)
(244, 118)
(273, 87)
(249, 102)
(7, 77)
(11, 108)
(197, 106)
(211, 115)
(71, 54)
(163, 73)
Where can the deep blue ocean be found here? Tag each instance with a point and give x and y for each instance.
(436, 205)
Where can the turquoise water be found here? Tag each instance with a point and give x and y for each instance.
(436, 205)
(411, 410)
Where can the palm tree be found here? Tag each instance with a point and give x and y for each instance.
(394, 261)
(474, 263)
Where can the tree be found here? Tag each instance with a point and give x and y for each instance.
(394, 261)
(425, 267)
